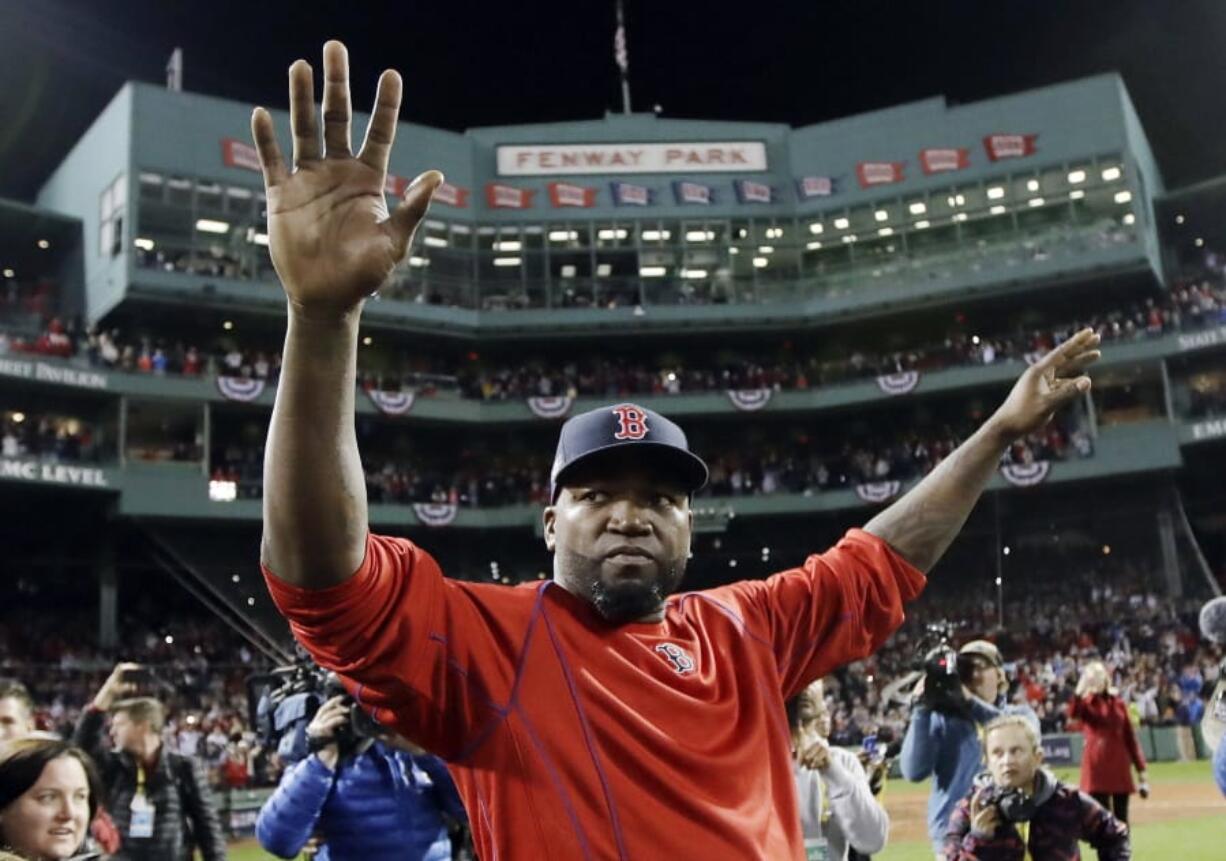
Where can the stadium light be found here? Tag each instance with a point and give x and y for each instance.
(701, 235)
(766, 249)
(610, 233)
(228, 325)
(568, 271)
(209, 225)
(841, 224)
(998, 210)
(849, 238)
(918, 208)
(1111, 174)
(923, 224)
(653, 271)
(816, 228)
(771, 233)
(257, 238)
(1036, 201)
(656, 235)
(1032, 185)
(143, 244)
(508, 245)
(223, 491)
(761, 262)
(1006, 550)
(418, 261)
(9, 273)
(18, 418)
(956, 200)
(1200, 242)
(960, 216)
(563, 235)
(367, 341)
(440, 242)
(1076, 194)
(44, 244)
(885, 231)
(1129, 218)
(814, 245)
(507, 261)
(1123, 196)
(996, 192)
(1179, 219)
(693, 273)
(998, 581)
(1106, 549)
(881, 215)
(604, 270)
(1076, 176)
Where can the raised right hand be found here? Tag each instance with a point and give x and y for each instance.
(115, 686)
(331, 715)
(332, 240)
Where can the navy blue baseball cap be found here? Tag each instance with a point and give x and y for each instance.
(629, 428)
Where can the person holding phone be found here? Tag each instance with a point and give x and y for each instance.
(160, 800)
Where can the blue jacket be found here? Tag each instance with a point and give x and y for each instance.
(381, 804)
(947, 748)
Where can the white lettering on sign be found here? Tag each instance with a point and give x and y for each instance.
(46, 373)
(1203, 339)
(699, 157)
(1209, 430)
(53, 473)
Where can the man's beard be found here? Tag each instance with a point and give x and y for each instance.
(626, 599)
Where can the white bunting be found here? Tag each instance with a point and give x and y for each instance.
(392, 403)
(240, 388)
(900, 383)
(551, 407)
(435, 513)
(878, 491)
(1026, 474)
(749, 400)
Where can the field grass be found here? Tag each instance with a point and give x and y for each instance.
(1184, 819)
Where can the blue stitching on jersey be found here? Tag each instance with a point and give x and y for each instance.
(587, 740)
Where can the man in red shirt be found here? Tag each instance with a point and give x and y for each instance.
(597, 715)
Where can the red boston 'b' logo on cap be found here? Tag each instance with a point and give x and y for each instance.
(632, 422)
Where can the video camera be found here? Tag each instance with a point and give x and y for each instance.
(283, 701)
(943, 672)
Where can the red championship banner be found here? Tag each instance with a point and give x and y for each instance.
(1009, 146)
(236, 153)
(452, 195)
(872, 173)
(569, 194)
(499, 196)
(942, 159)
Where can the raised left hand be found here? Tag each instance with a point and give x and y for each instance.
(1046, 386)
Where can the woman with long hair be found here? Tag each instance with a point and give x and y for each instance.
(49, 792)
(1111, 744)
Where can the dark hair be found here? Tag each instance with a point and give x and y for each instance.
(13, 689)
(22, 762)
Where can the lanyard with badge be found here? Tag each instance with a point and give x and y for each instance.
(140, 825)
(818, 848)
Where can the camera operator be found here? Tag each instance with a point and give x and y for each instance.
(837, 809)
(942, 738)
(160, 800)
(368, 798)
(1018, 810)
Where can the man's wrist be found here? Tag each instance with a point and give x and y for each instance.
(324, 318)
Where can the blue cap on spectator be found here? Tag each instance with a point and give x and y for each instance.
(631, 428)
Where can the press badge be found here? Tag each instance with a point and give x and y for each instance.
(817, 849)
(141, 824)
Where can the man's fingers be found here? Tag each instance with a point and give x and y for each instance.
(1076, 364)
(381, 130)
(302, 112)
(413, 208)
(1084, 340)
(265, 137)
(1065, 390)
(337, 110)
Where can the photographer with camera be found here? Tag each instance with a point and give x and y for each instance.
(160, 800)
(960, 693)
(367, 797)
(1018, 810)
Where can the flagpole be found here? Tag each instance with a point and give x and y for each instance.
(621, 56)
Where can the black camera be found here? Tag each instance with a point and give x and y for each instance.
(1014, 804)
(284, 700)
(944, 672)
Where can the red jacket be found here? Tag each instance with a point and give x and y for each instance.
(1111, 745)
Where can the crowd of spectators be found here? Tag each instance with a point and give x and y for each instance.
(48, 437)
(1150, 643)
(1188, 305)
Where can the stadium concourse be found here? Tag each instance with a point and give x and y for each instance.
(828, 311)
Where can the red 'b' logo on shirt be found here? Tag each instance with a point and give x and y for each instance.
(678, 657)
(632, 422)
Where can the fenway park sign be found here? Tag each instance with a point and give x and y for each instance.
(696, 157)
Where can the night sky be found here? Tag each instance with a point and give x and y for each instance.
(471, 64)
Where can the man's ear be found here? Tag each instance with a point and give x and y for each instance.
(548, 519)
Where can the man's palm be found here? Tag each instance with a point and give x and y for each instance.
(332, 239)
